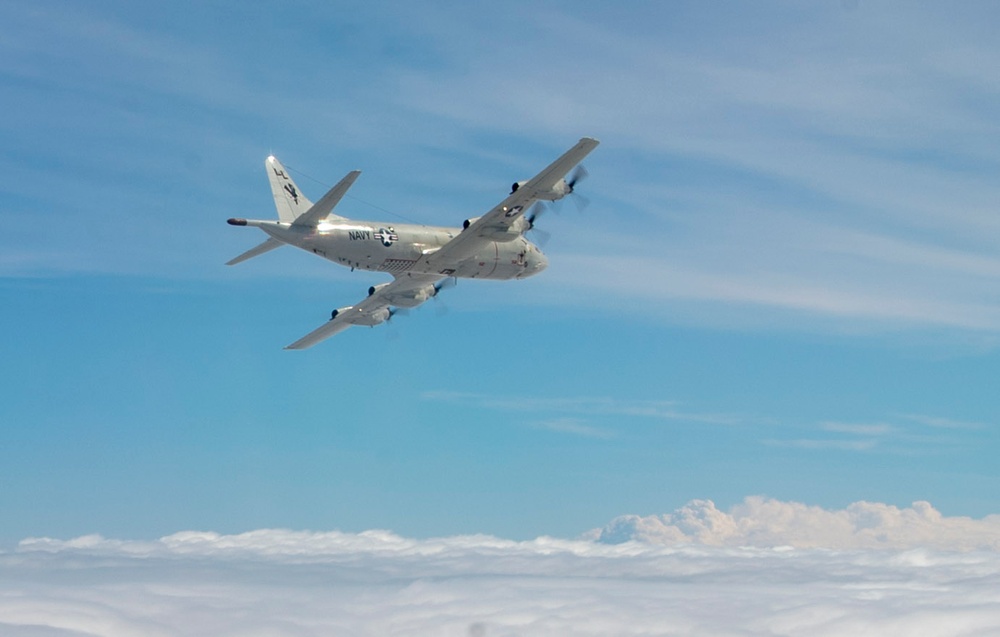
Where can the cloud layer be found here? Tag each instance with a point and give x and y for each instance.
(681, 574)
(761, 522)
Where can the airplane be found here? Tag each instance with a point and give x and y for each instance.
(422, 259)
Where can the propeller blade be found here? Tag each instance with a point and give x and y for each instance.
(393, 311)
(541, 237)
(440, 307)
(581, 202)
(537, 211)
(444, 284)
(578, 175)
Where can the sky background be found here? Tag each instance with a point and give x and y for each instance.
(786, 284)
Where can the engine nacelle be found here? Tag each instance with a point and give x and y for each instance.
(372, 318)
(355, 317)
(340, 311)
(502, 234)
(411, 298)
(407, 298)
(560, 190)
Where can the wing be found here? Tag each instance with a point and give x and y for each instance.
(547, 184)
(377, 307)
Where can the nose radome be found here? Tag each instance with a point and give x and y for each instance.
(540, 262)
(534, 263)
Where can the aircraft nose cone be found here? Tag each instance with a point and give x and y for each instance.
(536, 264)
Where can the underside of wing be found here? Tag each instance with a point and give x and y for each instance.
(379, 306)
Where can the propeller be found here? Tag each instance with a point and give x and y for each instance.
(537, 211)
(392, 332)
(444, 284)
(578, 175)
(393, 311)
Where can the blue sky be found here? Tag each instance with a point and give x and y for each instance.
(786, 282)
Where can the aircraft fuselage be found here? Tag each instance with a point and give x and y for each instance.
(398, 248)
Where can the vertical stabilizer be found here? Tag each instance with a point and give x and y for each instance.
(288, 199)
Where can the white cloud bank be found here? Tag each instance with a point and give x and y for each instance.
(764, 523)
(284, 583)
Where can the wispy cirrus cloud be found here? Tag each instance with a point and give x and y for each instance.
(938, 422)
(784, 287)
(819, 444)
(907, 434)
(847, 181)
(575, 426)
(580, 405)
(877, 429)
(865, 199)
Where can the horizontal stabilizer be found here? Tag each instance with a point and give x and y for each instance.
(267, 246)
(322, 209)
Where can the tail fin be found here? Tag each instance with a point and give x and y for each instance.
(288, 199)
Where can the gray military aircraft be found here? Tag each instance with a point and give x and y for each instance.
(421, 258)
